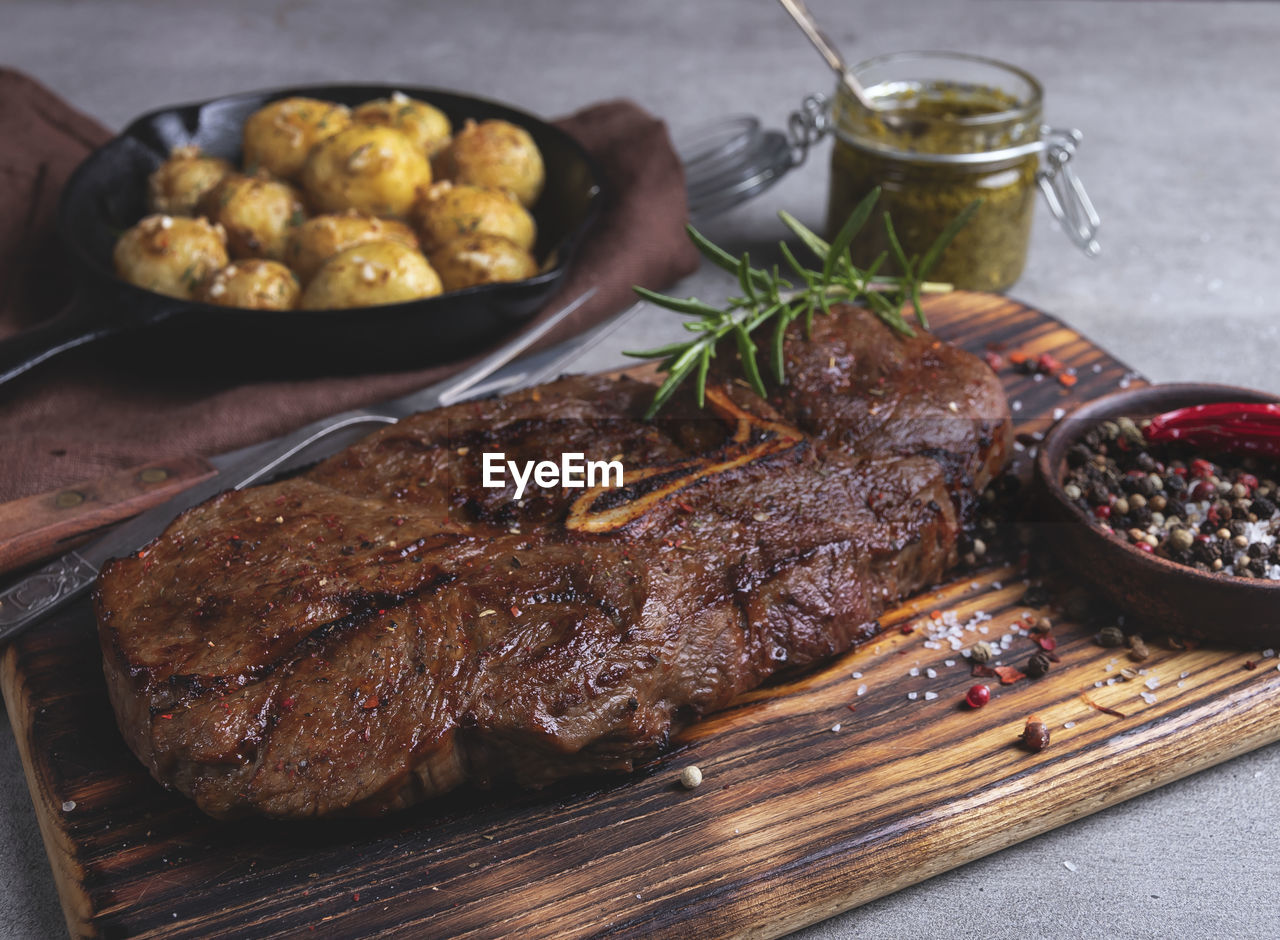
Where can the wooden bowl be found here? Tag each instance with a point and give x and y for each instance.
(1161, 593)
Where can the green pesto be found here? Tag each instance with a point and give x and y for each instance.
(939, 118)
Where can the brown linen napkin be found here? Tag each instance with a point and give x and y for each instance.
(84, 415)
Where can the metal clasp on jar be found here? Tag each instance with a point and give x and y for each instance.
(1063, 191)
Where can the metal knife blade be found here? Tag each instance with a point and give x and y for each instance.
(67, 577)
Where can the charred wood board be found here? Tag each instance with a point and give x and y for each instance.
(794, 822)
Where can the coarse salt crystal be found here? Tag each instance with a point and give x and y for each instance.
(1069, 866)
(1268, 653)
(913, 671)
(1149, 698)
(948, 662)
(835, 727)
(1098, 684)
(1152, 683)
(912, 696)
(1068, 725)
(931, 673)
(930, 696)
(1058, 413)
(1097, 367)
(862, 690)
(857, 675)
(68, 806)
(1016, 405)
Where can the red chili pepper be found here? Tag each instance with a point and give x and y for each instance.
(1235, 427)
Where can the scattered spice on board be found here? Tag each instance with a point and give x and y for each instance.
(977, 696)
(1102, 708)
(1035, 736)
(691, 777)
(1038, 665)
(1111, 637)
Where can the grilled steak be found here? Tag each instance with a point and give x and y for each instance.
(383, 628)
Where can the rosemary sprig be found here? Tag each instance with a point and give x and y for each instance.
(767, 297)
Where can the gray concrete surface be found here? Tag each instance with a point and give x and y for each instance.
(1178, 104)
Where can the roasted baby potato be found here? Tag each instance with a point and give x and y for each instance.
(178, 184)
(496, 154)
(383, 272)
(255, 283)
(422, 123)
(481, 259)
(257, 213)
(367, 168)
(170, 254)
(278, 136)
(448, 211)
(318, 239)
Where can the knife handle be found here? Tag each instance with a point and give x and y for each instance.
(40, 526)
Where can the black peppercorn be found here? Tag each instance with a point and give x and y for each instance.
(1111, 636)
(1038, 665)
(1078, 456)
(1262, 508)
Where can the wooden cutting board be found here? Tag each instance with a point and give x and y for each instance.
(807, 807)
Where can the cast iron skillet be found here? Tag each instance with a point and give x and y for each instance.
(107, 194)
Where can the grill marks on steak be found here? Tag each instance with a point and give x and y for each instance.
(374, 632)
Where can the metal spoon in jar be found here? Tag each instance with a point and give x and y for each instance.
(804, 19)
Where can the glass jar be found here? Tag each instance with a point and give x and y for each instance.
(949, 129)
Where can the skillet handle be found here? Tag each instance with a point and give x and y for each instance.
(74, 325)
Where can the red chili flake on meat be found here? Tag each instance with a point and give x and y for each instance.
(1008, 675)
(356, 896)
(935, 614)
(1047, 643)
(977, 696)
(167, 716)
(371, 702)
(684, 506)
(515, 611)
(1067, 379)
(994, 360)
(288, 702)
